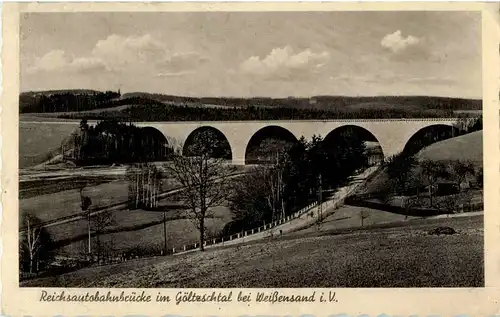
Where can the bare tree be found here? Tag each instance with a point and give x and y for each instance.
(101, 222)
(363, 214)
(85, 203)
(205, 179)
(273, 186)
(462, 124)
(466, 199)
(433, 171)
(460, 170)
(144, 186)
(274, 152)
(33, 243)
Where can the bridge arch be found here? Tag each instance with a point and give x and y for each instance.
(373, 147)
(429, 135)
(203, 134)
(154, 144)
(276, 136)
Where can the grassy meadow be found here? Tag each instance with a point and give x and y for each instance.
(405, 256)
(464, 147)
(40, 142)
(131, 228)
(139, 229)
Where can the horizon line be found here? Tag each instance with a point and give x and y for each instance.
(252, 97)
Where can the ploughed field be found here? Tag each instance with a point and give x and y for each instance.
(399, 256)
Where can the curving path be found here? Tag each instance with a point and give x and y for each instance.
(306, 219)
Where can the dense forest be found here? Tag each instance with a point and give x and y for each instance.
(185, 113)
(111, 142)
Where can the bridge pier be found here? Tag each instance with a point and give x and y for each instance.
(238, 161)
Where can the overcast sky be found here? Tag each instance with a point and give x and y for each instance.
(255, 54)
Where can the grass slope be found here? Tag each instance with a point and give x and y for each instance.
(40, 142)
(350, 217)
(464, 147)
(391, 257)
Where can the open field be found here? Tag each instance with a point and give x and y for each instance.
(404, 256)
(130, 228)
(64, 203)
(139, 229)
(39, 142)
(349, 217)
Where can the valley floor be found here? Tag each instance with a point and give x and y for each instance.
(403, 255)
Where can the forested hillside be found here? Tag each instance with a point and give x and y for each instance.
(164, 112)
(79, 100)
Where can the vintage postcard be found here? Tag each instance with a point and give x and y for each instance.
(250, 159)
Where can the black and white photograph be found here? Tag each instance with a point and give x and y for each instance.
(247, 149)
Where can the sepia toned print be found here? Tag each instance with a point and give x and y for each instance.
(250, 159)
(251, 149)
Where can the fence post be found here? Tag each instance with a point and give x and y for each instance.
(184, 247)
(238, 235)
(173, 250)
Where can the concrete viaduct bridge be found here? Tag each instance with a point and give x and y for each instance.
(391, 134)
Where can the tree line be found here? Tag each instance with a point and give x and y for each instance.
(164, 112)
(65, 101)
